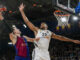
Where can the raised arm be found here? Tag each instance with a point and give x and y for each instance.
(29, 24)
(62, 38)
(31, 39)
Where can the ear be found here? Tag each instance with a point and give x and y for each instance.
(14, 32)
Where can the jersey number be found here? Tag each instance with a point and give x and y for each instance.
(44, 34)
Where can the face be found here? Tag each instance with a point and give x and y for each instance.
(16, 31)
(43, 26)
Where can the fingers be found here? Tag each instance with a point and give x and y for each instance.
(37, 39)
(22, 5)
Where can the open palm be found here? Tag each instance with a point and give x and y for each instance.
(21, 7)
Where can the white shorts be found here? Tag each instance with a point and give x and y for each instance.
(40, 54)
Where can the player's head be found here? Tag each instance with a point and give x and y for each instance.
(16, 30)
(44, 25)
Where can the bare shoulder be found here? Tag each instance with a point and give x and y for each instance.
(53, 34)
(35, 32)
(50, 32)
(37, 28)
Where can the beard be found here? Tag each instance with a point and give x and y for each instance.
(43, 28)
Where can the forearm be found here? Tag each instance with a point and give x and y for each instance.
(31, 39)
(65, 39)
(24, 16)
(61, 38)
(28, 39)
(29, 24)
(70, 40)
(34, 39)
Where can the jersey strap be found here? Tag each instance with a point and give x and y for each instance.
(27, 47)
(25, 41)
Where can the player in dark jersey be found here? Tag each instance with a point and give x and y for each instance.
(20, 43)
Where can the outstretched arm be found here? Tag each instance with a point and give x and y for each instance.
(30, 25)
(62, 38)
(31, 39)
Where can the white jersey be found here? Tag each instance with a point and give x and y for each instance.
(41, 50)
(43, 42)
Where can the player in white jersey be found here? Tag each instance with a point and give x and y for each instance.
(40, 51)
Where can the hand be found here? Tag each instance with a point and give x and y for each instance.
(21, 7)
(37, 39)
(76, 41)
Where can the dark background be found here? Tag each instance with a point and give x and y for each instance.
(36, 15)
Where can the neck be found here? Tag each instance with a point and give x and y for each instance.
(44, 28)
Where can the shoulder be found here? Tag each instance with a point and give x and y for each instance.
(39, 30)
(49, 31)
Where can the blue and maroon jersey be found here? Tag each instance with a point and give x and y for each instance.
(21, 47)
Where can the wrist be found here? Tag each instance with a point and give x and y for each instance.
(21, 10)
(71, 40)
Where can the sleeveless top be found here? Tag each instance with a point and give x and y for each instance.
(21, 47)
(43, 43)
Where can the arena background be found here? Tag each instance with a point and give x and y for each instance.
(38, 11)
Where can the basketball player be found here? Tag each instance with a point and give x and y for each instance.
(20, 43)
(40, 51)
